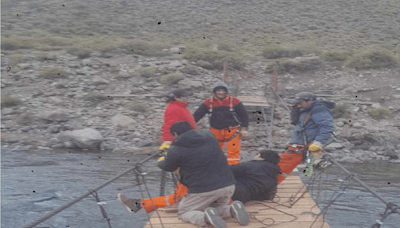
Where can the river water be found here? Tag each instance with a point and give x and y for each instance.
(37, 182)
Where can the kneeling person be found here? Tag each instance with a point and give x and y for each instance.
(205, 172)
(255, 180)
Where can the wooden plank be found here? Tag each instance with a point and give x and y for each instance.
(265, 210)
(276, 218)
(295, 224)
(290, 185)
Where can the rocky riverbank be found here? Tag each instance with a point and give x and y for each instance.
(110, 104)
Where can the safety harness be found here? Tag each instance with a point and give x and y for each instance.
(231, 111)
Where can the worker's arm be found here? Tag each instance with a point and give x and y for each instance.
(242, 113)
(171, 161)
(324, 120)
(294, 115)
(200, 112)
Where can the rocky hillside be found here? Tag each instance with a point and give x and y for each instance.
(75, 89)
(337, 23)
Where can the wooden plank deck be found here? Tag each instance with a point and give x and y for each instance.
(261, 211)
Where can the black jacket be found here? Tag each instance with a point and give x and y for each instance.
(255, 180)
(221, 117)
(203, 165)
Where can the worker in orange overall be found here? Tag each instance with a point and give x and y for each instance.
(228, 120)
(313, 129)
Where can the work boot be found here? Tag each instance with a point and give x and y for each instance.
(239, 213)
(132, 205)
(211, 216)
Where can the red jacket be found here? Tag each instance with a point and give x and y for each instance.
(174, 112)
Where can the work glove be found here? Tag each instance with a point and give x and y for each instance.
(165, 145)
(244, 133)
(315, 147)
(162, 158)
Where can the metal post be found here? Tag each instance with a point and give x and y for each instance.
(275, 82)
(225, 65)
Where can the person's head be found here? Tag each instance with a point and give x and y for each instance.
(303, 99)
(267, 155)
(220, 90)
(178, 95)
(179, 128)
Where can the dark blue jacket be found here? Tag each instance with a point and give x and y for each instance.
(320, 124)
(202, 163)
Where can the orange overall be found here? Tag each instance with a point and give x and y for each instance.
(232, 139)
(290, 160)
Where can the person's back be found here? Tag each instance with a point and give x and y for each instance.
(256, 179)
(207, 175)
(199, 158)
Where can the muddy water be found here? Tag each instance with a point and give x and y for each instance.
(37, 182)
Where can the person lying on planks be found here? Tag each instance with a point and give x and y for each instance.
(255, 180)
(206, 174)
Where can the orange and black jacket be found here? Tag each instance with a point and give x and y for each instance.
(174, 112)
(221, 116)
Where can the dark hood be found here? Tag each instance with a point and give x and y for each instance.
(193, 138)
(327, 104)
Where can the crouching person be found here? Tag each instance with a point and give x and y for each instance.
(205, 172)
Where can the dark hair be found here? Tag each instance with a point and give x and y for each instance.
(180, 127)
(170, 99)
(270, 156)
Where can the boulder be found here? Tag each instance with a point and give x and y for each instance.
(191, 84)
(143, 143)
(100, 81)
(335, 146)
(7, 111)
(87, 138)
(56, 115)
(348, 159)
(189, 70)
(120, 120)
(205, 64)
(175, 64)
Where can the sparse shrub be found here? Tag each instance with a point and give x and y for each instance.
(14, 43)
(42, 56)
(8, 101)
(215, 58)
(16, 58)
(144, 48)
(226, 46)
(336, 55)
(139, 107)
(171, 79)
(80, 52)
(294, 66)
(379, 113)
(25, 119)
(372, 57)
(44, 43)
(52, 72)
(290, 50)
(148, 72)
(95, 98)
(341, 111)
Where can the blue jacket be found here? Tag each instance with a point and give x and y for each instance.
(320, 124)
